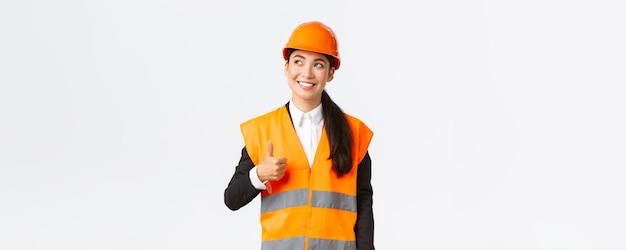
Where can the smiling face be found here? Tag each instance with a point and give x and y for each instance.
(307, 73)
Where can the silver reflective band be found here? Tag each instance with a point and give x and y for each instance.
(284, 244)
(323, 244)
(314, 244)
(293, 198)
(325, 199)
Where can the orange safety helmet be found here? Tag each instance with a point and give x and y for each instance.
(316, 37)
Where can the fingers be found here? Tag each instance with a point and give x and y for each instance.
(270, 149)
(270, 154)
(281, 161)
(281, 167)
(273, 168)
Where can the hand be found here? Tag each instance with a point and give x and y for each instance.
(272, 168)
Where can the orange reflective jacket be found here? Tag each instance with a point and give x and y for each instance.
(309, 207)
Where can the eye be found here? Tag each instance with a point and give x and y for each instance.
(297, 62)
(319, 65)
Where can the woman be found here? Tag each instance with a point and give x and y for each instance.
(308, 159)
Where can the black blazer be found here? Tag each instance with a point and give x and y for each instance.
(240, 192)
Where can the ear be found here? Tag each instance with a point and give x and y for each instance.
(331, 74)
(286, 66)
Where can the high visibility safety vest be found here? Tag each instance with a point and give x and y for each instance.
(309, 207)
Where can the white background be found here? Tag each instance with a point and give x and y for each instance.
(498, 124)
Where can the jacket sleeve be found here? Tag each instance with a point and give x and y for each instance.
(364, 228)
(240, 190)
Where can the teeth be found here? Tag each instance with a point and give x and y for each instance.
(304, 84)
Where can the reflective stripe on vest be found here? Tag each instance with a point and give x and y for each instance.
(314, 244)
(309, 207)
(299, 197)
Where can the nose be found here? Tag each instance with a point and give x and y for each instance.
(307, 72)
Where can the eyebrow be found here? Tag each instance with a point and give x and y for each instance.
(316, 59)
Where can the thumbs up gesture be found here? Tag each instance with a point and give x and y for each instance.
(272, 168)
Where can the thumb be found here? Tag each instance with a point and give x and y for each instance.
(270, 149)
